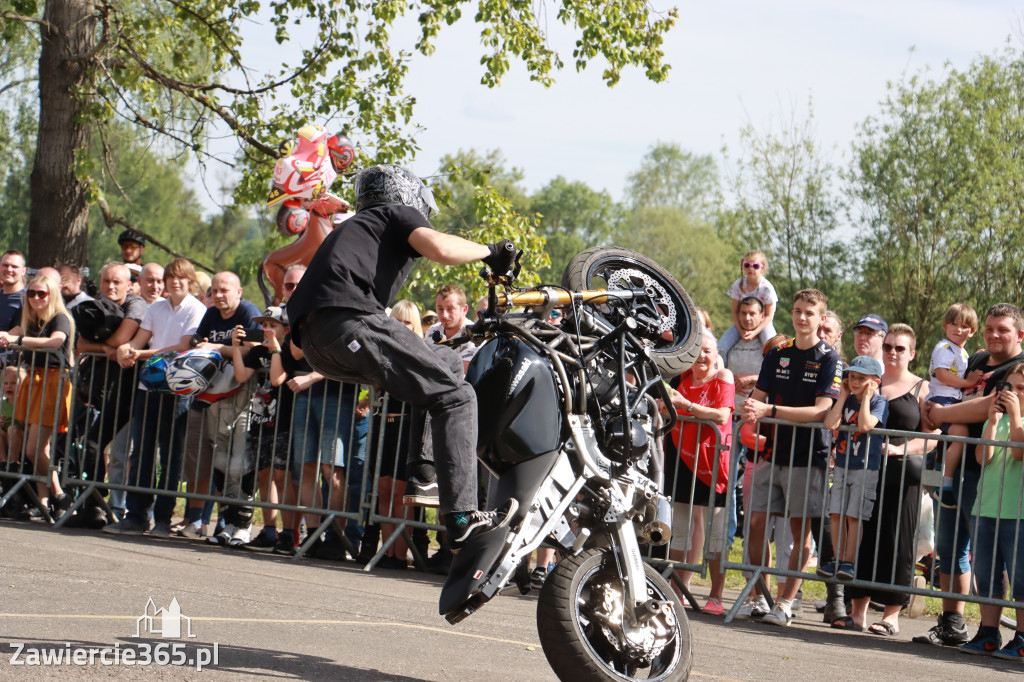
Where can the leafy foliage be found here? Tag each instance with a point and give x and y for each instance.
(479, 200)
(174, 70)
(940, 178)
(789, 206)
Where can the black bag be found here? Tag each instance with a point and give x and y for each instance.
(97, 320)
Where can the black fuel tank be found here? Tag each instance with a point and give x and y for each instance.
(518, 404)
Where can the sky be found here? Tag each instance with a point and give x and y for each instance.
(733, 63)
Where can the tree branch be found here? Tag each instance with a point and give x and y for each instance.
(96, 49)
(28, 20)
(110, 220)
(14, 84)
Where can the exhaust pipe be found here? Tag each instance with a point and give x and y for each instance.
(658, 531)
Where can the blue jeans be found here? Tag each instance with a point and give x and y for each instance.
(954, 526)
(158, 422)
(998, 547)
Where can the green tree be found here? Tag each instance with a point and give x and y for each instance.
(939, 178)
(672, 200)
(480, 200)
(573, 217)
(788, 205)
(175, 70)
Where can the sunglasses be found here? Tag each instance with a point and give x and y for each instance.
(747, 265)
(35, 293)
(289, 286)
(888, 348)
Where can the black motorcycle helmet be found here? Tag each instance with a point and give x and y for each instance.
(131, 236)
(390, 184)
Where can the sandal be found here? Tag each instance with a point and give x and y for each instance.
(883, 629)
(713, 607)
(846, 623)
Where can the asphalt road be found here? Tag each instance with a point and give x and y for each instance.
(273, 618)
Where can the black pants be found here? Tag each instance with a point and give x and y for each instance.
(348, 345)
(113, 402)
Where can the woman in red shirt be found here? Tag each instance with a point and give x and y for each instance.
(704, 393)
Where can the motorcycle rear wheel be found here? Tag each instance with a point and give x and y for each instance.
(577, 645)
(614, 267)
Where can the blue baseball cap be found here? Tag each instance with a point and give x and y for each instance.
(865, 364)
(874, 322)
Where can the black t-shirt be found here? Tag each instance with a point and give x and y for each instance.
(796, 378)
(10, 309)
(270, 403)
(58, 323)
(218, 330)
(993, 375)
(361, 265)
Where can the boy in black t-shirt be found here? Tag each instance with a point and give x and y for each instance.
(797, 382)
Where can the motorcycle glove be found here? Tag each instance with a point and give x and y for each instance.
(503, 256)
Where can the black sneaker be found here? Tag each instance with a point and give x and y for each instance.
(537, 577)
(421, 493)
(331, 550)
(462, 526)
(59, 505)
(262, 542)
(285, 544)
(944, 634)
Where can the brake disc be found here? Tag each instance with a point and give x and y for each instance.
(628, 278)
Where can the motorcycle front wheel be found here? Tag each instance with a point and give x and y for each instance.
(614, 267)
(579, 617)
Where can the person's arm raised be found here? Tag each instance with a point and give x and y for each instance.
(446, 249)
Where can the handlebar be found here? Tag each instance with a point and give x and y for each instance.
(558, 297)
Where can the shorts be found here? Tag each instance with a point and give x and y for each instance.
(683, 527)
(794, 492)
(37, 397)
(998, 546)
(323, 430)
(269, 448)
(944, 400)
(853, 493)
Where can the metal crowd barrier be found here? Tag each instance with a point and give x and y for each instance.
(660, 557)
(89, 471)
(24, 377)
(899, 469)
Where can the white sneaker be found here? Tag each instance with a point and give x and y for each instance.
(797, 607)
(239, 538)
(779, 615)
(223, 537)
(753, 608)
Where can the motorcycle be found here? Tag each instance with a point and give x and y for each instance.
(569, 425)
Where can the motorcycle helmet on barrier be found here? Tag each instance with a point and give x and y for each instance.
(192, 371)
(153, 373)
(390, 184)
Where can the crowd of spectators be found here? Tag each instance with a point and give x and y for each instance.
(268, 427)
(850, 497)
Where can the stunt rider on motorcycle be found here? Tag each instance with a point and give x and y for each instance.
(340, 325)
